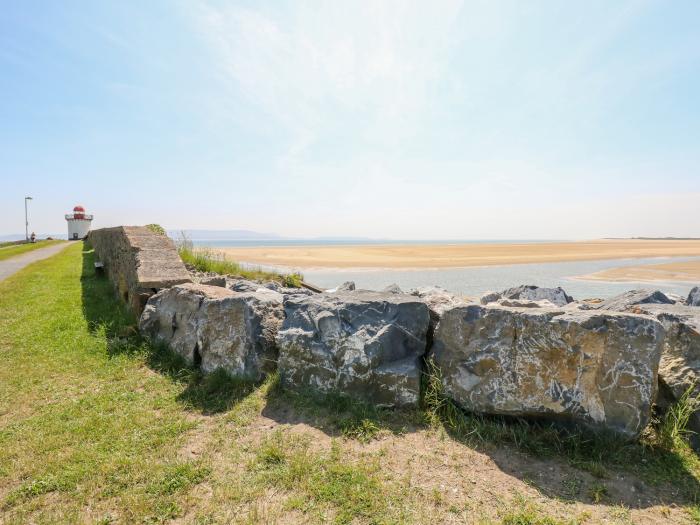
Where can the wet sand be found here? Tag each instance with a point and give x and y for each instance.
(688, 271)
(423, 256)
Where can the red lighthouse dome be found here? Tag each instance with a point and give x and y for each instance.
(79, 212)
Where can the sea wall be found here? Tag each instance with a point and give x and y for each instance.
(138, 261)
(526, 352)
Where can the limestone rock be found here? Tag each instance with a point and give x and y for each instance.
(490, 297)
(215, 280)
(367, 345)
(531, 292)
(624, 301)
(214, 327)
(694, 297)
(438, 300)
(680, 360)
(517, 303)
(347, 286)
(242, 285)
(592, 367)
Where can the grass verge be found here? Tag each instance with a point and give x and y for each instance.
(18, 249)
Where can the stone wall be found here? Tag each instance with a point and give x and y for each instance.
(526, 352)
(138, 261)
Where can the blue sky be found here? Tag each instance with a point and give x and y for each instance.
(539, 119)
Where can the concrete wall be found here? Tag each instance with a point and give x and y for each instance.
(138, 261)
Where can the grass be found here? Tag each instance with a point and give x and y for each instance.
(206, 260)
(99, 426)
(18, 249)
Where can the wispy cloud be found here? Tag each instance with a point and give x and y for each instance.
(364, 66)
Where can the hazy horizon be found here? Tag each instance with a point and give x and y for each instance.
(390, 120)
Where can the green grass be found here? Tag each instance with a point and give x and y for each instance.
(18, 249)
(206, 260)
(99, 426)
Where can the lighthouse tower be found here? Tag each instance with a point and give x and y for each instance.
(78, 223)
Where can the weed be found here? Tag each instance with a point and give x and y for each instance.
(597, 492)
(673, 427)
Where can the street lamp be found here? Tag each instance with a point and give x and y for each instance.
(26, 220)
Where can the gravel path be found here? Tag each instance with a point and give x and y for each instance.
(15, 264)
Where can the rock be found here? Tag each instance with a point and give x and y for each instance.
(216, 280)
(272, 285)
(438, 300)
(531, 292)
(490, 297)
(392, 288)
(347, 286)
(243, 285)
(680, 360)
(295, 291)
(214, 327)
(367, 345)
(516, 303)
(590, 367)
(693, 297)
(624, 301)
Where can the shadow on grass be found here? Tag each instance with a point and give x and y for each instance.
(574, 465)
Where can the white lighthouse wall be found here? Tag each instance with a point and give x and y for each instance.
(81, 227)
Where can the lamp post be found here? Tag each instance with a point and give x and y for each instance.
(26, 220)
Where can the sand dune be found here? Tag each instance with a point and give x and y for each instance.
(392, 256)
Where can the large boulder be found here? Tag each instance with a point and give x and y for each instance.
(624, 301)
(595, 368)
(213, 327)
(679, 369)
(693, 297)
(367, 345)
(530, 294)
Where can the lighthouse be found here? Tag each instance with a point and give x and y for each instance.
(78, 223)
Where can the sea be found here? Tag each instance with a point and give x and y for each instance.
(475, 280)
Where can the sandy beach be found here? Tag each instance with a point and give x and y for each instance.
(424, 256)
(688, 271)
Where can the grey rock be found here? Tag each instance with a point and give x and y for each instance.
(624, 301)
(272, 285)
(347, 286)
(393, 288)
(367, 345)
(216, 280)
(438, 300)
(694, 297)
(517, 303)
(680, 361)
(590, 367)
(295, 291)
(243, 285)
(531, 292)
(216, 327)
(490, 297)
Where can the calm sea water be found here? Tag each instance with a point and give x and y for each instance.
(474, 281)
